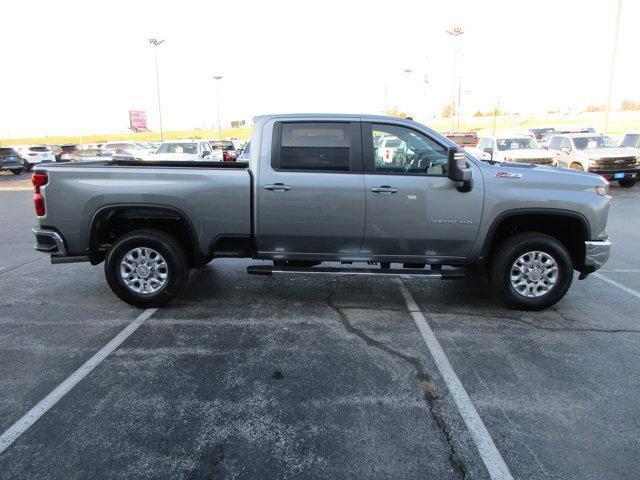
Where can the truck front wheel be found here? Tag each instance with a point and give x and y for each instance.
(627, 182)
(146, 268)
(531, 271)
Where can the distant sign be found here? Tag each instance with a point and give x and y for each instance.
(238, 123)
(137, 120)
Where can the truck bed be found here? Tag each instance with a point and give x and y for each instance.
(215, 197)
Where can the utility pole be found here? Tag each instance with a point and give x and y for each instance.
(156, 43)
(217, 78)
(607, 107)
(455, 32)
(459, 94)
(495, 117)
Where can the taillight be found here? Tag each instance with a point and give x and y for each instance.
(227, 157)
(386, 154)
(39, 180)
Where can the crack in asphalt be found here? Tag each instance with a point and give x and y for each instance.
(423, 377)
(15, 267)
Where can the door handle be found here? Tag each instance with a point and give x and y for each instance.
(278, 187)
(384, 189)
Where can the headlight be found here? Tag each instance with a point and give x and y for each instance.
(602, 189)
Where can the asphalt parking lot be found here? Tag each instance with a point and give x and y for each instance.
(309, 377)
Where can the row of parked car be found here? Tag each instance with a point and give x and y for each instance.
(23, 158)
(580, 149)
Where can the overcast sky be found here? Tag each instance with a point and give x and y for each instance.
(78, 67)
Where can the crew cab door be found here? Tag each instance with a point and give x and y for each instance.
(413, 209)
(310, 191)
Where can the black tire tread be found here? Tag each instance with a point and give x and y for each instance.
(180, 268)
(501, 261)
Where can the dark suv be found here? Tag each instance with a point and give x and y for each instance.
(539, 133)
(10, 160)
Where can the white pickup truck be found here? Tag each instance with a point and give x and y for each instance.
(514, 148)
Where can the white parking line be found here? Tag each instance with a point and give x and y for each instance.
(32, 416)
(630, 291)
(490, 455)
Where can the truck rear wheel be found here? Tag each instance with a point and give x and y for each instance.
(146, 268)
(531, 271)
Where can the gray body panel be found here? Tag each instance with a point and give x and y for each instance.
(216, 201)
(327, 216)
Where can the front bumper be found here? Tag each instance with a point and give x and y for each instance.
(596, 254)
(611, 174)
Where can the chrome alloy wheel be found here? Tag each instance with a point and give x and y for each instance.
(534, 274)
(144, 271)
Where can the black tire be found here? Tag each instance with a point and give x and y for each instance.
(17, 172)
(627, 182)
(27, 166)
(510, 250)
(168, 247)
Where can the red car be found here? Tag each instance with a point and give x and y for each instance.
(464, 139)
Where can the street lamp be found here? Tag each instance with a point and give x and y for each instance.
(455, 32)
(607, 107)
(217, 78)
(408, 71)
(156, 43)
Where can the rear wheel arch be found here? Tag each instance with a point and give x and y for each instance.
(112, 221)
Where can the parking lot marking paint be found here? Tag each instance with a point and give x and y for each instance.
(489, 453)
(630, 291)
(32, 416)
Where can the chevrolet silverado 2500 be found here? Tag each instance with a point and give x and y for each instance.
(315, 189)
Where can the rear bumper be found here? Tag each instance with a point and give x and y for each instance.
(596, 255)
(49, 241)
(12, 167)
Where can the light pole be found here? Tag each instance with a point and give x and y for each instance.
(607, 107)
(217, 78)
(156, 43)
(455, 32)
(408, 71)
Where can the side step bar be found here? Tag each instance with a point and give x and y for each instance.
(399, 272)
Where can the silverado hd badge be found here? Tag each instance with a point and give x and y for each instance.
(447, 221)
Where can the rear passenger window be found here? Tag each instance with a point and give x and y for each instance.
(315, 146)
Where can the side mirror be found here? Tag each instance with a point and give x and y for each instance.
(457, 169)
(489, 150)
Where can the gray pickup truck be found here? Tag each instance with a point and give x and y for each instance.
(323, 188)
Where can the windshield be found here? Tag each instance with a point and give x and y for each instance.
(392, 143)
(595, 141)
(177, 148)
(516, 143)
(222, 145)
